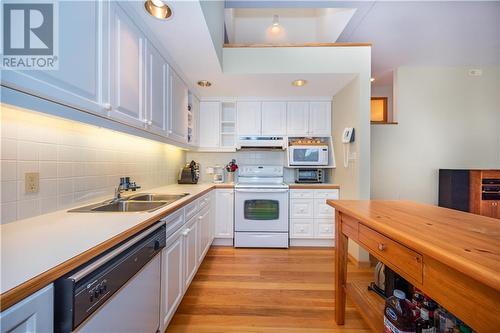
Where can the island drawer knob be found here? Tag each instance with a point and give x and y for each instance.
(381, 246)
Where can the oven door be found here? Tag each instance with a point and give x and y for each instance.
(261, 210)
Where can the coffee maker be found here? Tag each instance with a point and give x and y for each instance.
(189, 174)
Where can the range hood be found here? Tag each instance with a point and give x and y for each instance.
(261, 143)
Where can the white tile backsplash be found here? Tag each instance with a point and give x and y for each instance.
(77, 162)
(242, 158)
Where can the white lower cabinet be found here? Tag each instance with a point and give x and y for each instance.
(34, 314)
(310, 217)
(224, 214)
(203, 233)
(191, 244)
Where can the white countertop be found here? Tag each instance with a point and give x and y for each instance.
(32, 246)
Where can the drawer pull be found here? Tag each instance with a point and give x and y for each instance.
(302, 210)
(381, 246)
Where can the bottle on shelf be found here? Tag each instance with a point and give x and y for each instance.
(398, 314)
(424, 323)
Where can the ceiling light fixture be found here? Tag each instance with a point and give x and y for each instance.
(276, 28)
(372, 79)
(204, 83)
(158, 9)
(299, 83)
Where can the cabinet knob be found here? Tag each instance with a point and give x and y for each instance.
(200, 217)
(381, 246)
(150, 122)
(186, 232)
(107, 106)
(169, 131)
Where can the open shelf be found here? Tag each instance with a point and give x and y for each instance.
(369, 304)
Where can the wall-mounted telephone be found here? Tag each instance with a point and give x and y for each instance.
(348, 135)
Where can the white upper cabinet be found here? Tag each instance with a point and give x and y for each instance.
(193, 123)
(209, 128)
(297, 118)
(274, 118)
(78, 80)
(320, 117)
(178, 117)
(127, 68)
(248, 118)
(156, 90)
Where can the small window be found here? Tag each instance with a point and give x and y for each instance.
(378, 110)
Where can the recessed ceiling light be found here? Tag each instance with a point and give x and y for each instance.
(275, 28)
(372, 79)
(299, 83)
(158, 9)
(204, 83)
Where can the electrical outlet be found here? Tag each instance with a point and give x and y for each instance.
(31, 182)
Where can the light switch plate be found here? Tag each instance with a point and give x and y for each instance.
(31, 182)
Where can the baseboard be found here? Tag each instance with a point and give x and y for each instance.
(358, 264)
(222, 242)
(313, 242)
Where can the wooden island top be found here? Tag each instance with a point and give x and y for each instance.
(452, 256)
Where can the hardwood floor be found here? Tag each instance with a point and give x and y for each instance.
(265, 290)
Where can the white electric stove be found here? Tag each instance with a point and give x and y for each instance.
(261, 207)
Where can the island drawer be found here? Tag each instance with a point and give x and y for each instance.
(405, 261)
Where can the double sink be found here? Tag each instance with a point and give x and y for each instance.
(142, 202)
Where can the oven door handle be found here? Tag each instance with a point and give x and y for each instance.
(261, 190)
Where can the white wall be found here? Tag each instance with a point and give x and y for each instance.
(76, 162)
(447, 119)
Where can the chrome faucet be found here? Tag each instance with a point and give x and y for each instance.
(125, 185)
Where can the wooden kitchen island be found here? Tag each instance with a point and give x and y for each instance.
(452, 256)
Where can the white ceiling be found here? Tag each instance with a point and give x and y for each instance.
(414, 33)
(304, 25)
(190, 51)
(421, 33)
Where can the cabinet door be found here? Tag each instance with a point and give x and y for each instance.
(203, 233)
(273, 118)
(323, 210)
(34, 314)
(301, 228)
(127, 71)
(191, 244)
(156, 90)
(490, 209)
(297, 118)
(195, 112)
(172, 277)
(324, 229)
(320, 117)
(79, 80)
(224, 213)
(248, 118)
(209, 124)
(302, 208)
(178, 118)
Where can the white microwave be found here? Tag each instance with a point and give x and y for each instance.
(308, 155)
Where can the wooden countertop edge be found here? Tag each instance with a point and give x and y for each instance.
(314, 186)
(481, 275)
(18, 293)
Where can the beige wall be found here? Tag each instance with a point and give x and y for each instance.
(447, 119)
(77, 162)
(351, 109)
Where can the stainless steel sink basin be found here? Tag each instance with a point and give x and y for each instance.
(129, 206)
(143, 202)
(156, 197)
